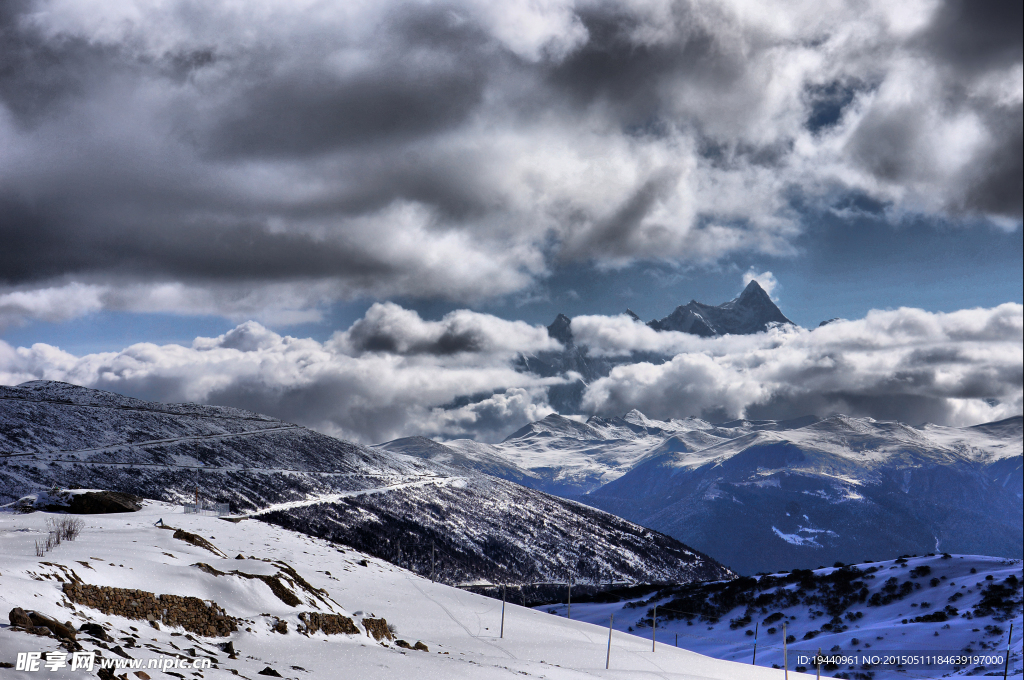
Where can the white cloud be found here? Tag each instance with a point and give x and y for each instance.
(387, 327)
(766, 280)
(49, 304)
(958, 368)
(394, 374)
(275, 303)
(407, 383)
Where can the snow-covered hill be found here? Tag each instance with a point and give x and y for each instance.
(765, 495)
(271, 583)
(387, 504)
(934, 605)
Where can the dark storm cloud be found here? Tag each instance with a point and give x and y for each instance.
(970, 41)
(458, 150)
(616, 235)
(887, 145)
(425, 74)
(613, 67)
(998, 187)
(977, 35)
(36, 75)
(38, 246)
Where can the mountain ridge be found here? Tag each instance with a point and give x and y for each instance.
(59, 435)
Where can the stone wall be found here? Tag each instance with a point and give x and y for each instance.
(191, 613)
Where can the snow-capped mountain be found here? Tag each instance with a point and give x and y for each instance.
(479, 526)
(751, 312)
(764, 495)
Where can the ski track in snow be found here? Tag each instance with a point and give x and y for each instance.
(459, 623)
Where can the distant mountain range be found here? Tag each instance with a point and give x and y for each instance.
(751, 312)
(768, 495)
(477, 526)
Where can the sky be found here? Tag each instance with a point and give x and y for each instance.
(210, 201)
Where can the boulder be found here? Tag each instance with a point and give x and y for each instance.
(19, 617)
(95, 630)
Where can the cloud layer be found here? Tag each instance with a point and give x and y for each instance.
(393, 374)
(272, 157)
(961, 368)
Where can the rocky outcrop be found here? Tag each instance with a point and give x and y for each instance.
(328, 624)
(378, 628)
(418, 646)
(194, 539)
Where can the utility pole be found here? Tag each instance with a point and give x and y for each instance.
(399, 553)
(502, 611)
(753, 662)
(654, 627)
(568, 613)
(817, 664)
(432, 565)
(1006, 666)
(608, 657)
(785, 651)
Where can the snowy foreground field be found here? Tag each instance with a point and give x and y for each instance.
(460, 630)
(960, 602)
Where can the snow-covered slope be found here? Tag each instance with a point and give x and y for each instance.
(916, 606)
(481, 527)
(461, 632)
